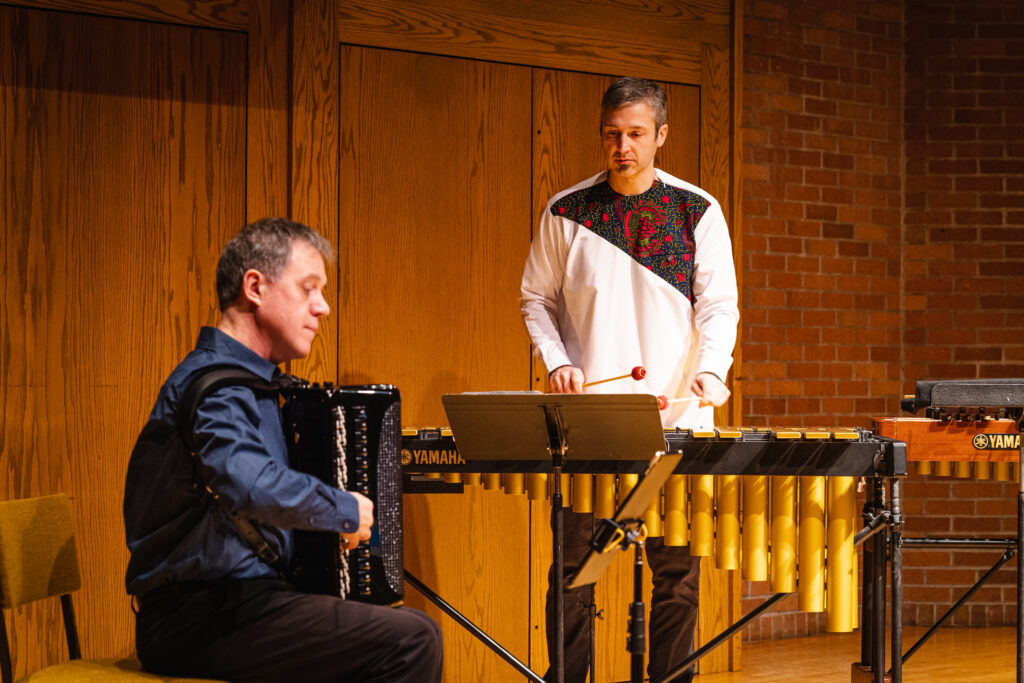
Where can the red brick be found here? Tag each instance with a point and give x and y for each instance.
(961, 235)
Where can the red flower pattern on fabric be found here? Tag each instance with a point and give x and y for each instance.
(642, 225)
(656, 228)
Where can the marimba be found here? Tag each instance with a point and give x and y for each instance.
(778, 504)
(962, 444)
(972, 427)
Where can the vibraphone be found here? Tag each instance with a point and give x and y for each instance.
(971, 428)
(778, 504)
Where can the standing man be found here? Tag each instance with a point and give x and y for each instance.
(209, 606)
(634, 267)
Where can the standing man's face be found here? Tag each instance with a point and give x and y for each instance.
(630, 140)
(290, 308)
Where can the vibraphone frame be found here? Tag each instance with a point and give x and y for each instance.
(878, 459)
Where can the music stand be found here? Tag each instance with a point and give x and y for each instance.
(523, 425)
(618, 533)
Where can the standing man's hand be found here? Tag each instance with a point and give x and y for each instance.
(566, 380)
(711, 390)
(365, 522)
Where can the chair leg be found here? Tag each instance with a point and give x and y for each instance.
(74, 649)
(6, 674)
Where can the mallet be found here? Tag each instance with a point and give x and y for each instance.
(664, 402)
(637, 373)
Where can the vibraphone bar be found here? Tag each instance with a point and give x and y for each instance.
(779, 504)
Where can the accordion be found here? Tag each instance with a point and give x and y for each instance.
(349, 437)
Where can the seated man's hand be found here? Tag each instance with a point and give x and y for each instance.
(365, 522)
(711, 390)
(566, 380)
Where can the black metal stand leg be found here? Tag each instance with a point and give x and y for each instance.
(867, 584)
(472, 628)
(1006, 557)
(878, 597)
(680, 668)
(1020, 576)
(637, 643)
(74, 649)
(558, 656)
(6, 670)
(896, 566)
(592, 667)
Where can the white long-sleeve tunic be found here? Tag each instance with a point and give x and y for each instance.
(614, 281)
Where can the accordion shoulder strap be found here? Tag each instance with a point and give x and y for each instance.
(203, 384)
(216, 377)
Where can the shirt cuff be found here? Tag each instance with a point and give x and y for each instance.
(554, 358)
(348, 513)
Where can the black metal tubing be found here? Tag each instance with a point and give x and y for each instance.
(963, 543)
(1020, 570)
(957, 605)
(556, 448)
(637, 628)
(6, 675)
(681, 668)
(558, 656)
(594, 615)
(896, 567)
(876, 523)
(472, 628)
(867, 579)
(878, 542)
(70, 627)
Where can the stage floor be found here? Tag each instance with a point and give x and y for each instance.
(974, 655)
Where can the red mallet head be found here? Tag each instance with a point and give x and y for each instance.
(639, 373)
(662, 403)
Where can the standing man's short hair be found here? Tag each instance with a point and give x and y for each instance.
(266, 246)
(628, 90)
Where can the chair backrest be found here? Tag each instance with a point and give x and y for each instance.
(38, 558)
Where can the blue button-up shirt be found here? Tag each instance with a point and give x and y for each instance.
(175, 530)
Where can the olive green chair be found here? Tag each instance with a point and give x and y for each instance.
(38, 560)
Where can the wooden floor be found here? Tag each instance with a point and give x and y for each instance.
(952, 655)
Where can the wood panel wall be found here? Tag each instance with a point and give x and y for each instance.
(134, 146)
(435, 227)
(123, 168)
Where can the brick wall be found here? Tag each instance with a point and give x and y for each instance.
(964, 263)
(821, 211)
(822, 197)
(963, 292)
(883, 242)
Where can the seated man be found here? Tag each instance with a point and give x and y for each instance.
(208, 606)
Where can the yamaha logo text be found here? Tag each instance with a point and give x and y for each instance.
(431, 456)
(996, 442)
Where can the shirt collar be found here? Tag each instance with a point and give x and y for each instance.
(223, 345)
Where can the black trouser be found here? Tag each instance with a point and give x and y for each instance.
(264, 631)
(673, 603)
